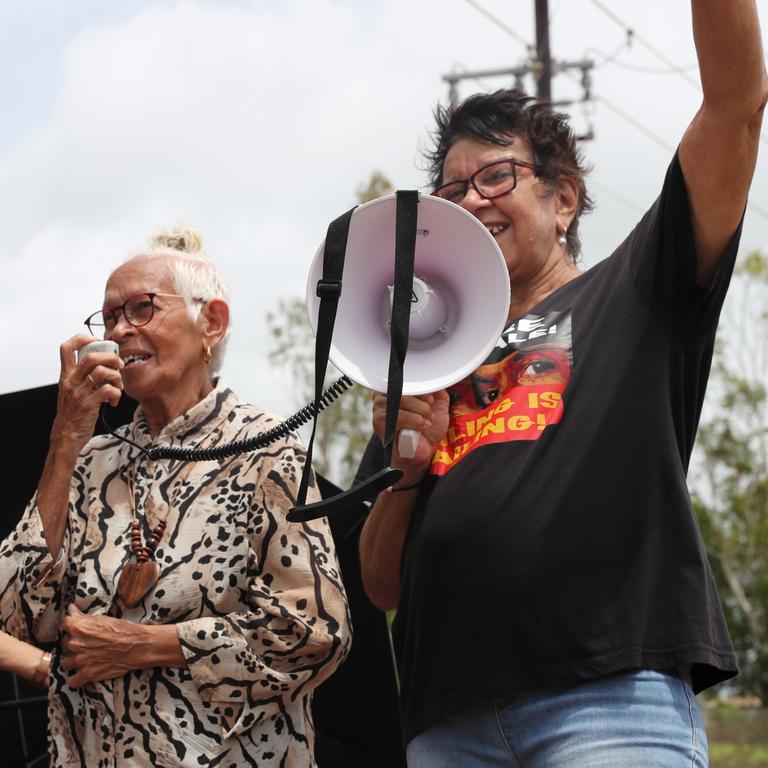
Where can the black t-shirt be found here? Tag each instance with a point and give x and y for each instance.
(555, 540)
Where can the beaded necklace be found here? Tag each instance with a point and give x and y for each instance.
(137, 579)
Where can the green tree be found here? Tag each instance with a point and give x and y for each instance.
(731, 481)
(343, 429)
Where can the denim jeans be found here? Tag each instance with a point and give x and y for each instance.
(634, 719)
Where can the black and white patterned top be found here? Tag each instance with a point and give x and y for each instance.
(258, 602)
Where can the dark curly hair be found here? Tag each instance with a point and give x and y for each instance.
(497, 118)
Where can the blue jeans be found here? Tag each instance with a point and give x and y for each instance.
(635, 719)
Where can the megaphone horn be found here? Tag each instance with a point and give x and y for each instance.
(457, 304)
(459, 301)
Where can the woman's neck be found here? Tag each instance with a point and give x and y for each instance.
(527, 293)
(162, 410)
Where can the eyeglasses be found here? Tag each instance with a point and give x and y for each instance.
(138, 310)
(492, 180)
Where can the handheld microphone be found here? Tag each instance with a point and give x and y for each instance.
(97, 346)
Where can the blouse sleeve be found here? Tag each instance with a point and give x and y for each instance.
(30, 579)
(296, 630)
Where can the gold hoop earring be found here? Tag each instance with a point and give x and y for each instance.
(207, 356)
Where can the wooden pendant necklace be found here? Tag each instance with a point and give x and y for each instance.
(137, 579)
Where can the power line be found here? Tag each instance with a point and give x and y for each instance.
(616, 196)
(613, 58)
(652, 48)
(511, 32)
(661, 142)
(757, 209)
(673, 67)
(635, 123)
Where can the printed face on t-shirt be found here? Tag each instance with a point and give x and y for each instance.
(516, 394)
(539, 364)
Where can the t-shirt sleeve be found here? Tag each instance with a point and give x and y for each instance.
(663, 260)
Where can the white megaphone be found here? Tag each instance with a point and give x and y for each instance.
(459, 299)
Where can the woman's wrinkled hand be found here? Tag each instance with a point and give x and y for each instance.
(83, 387)
(425, 414)
(97, 648)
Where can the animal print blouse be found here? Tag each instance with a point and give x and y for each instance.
(258, 602)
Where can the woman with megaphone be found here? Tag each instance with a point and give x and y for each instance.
(555, 606)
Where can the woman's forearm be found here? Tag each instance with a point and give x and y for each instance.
(53, 492)
(381, 546)
(159, 647)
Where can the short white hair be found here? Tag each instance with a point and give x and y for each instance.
(192, 274)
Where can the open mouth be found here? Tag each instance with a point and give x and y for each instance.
(497, 229)
(132, 360)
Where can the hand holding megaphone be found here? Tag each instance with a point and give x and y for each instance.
(423, 420)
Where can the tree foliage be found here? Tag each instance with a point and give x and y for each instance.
(731, 482)
(343, 429)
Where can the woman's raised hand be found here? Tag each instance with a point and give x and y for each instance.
(83, 387)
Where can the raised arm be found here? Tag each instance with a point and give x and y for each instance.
(82, 389)
(719, 150)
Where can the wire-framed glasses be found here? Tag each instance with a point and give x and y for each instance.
(492, 180)
(138, 310)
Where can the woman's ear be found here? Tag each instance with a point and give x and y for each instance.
(566, 202)
(215, 321)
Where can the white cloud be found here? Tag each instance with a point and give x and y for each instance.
(256, 122)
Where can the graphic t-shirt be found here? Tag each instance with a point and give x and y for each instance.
(555, 540)
(515, 394)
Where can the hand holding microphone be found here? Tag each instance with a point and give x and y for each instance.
(90, 376)
(102, 374)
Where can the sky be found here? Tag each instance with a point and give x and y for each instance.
(119, 119)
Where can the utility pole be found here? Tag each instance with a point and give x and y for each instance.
(543, 64)
(542, 69)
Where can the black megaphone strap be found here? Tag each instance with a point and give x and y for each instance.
(329, 291)
(405, 247)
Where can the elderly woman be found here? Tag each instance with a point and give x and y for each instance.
(555, 606)
(193, 621)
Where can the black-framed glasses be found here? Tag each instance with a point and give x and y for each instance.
(492, 180)
(138, 310)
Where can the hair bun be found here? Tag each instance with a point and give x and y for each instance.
(180, 238)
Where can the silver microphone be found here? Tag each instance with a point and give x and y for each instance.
(97, 346)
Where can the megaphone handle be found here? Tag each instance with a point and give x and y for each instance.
(407, 441)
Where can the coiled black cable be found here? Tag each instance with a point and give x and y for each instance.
(283, 429)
